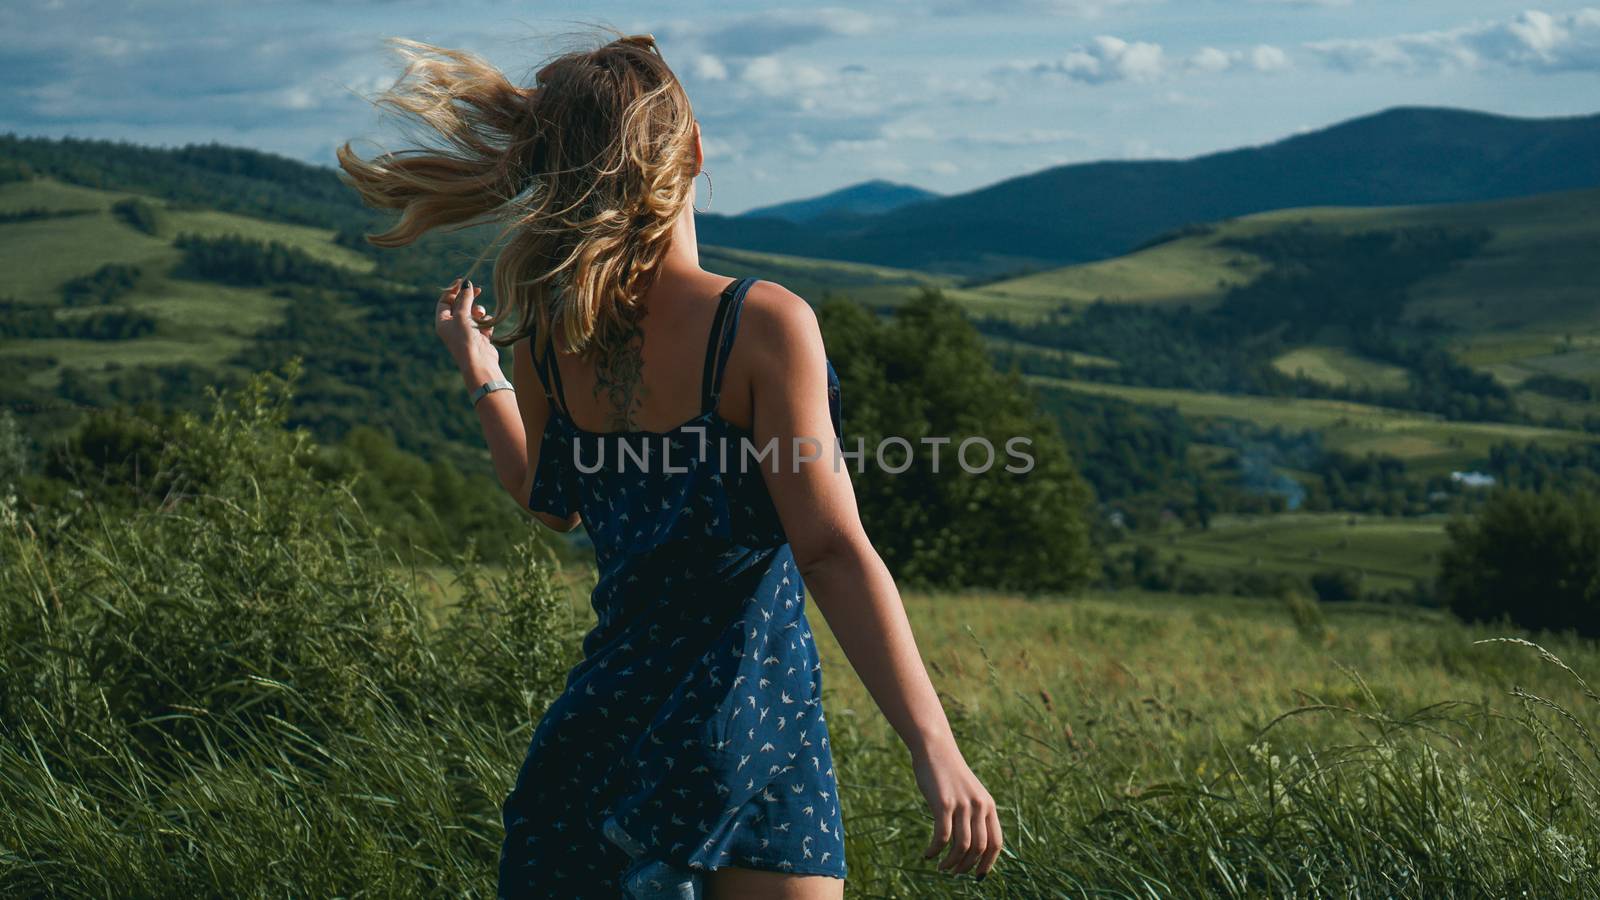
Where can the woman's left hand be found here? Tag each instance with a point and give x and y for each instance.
(455, 321)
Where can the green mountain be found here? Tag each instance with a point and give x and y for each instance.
(864, 199)
(1090, 211)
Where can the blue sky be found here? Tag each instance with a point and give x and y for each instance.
(795, 100)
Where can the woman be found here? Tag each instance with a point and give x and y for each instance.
(689, 751)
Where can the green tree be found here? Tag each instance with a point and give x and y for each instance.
(1532, 557)
(927, 374)
(138, 213)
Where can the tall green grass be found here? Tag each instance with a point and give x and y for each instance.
(1222, 749)
(242, 693)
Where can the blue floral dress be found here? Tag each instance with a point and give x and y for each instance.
(692, 732)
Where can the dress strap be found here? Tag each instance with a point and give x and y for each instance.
(550, 376)
(719, 342)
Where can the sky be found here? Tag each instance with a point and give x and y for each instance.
(796, 100)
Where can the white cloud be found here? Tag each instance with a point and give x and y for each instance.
(109, 46)
(1533, 40)
(1186, 101)
(1210, 59)
(708, 68)
(1081, 9)
(1025, 137)
(1267, 58)
(1139, 148)
(1261, 58)
(720, 148)
(774, 76)
(943, 167)
(889, 165)
(1090, 9)
(774, 86)
(1104, 59)
(848, 145)
(803, 145)
(1108, 59)
(770, 31)
(911, 130)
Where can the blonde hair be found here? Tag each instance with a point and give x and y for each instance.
(591, 165)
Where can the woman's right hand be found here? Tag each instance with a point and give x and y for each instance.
(964, 814)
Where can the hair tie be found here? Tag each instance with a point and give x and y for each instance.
(643, 41)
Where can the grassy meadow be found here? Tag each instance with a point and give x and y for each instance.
(1146, 746)
(1428, 443)
(201, 322)
(245, 693)
(1339, 367)
(1540, 254)
(1384, 552)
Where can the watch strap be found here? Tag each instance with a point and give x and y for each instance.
(497, 384)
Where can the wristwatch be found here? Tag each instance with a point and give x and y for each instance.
(488, 387)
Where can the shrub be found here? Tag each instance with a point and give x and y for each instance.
(246, 674)
(1307, 616)
(1532, 557)
(1337, 585)
(927, 374)
(103, 286)
(139, 214)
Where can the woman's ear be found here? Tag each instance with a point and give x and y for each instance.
(699, 151)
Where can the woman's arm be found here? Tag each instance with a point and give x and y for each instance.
(848, 580)
(507, 420)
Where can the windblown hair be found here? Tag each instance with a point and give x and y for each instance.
(590, 166)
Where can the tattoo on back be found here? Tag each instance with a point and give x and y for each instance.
(618, 373)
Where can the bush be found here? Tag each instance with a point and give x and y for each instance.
(927, 374)
(1337, 585)
(1307, 616)
(14, 451)
(246, 675)
(138, 214)
(1531, 557)
(103, 286)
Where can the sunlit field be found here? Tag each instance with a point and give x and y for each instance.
(245, 693)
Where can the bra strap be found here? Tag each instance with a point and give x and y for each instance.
(720, 341)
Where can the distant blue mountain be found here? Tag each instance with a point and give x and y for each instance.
(1095, 210)
(864, 199)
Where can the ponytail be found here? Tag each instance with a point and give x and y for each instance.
(590, 168)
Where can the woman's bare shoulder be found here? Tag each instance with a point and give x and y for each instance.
(779, 319)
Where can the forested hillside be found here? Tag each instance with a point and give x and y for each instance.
(1302, 360)
(1096, 210)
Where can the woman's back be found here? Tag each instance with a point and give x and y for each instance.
(652, 379)
(672, 461)
(692, 730)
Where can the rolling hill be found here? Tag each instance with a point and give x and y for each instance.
(1090, 211)
(864, 199)
(1520, 306)
(1429, 443)
(1526, 303)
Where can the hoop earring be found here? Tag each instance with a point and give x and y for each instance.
(709, 190)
